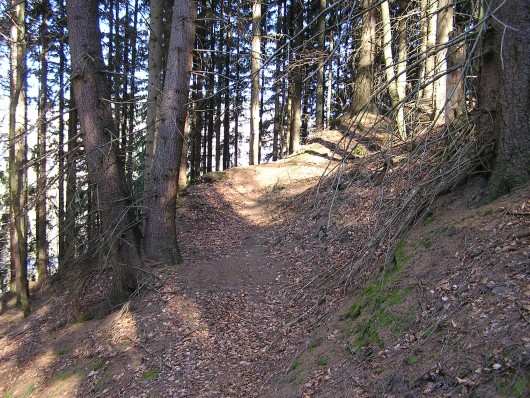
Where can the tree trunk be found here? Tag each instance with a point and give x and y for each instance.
(329, 82)
(61, 130)
(160, 241)
(226, 112)
(396, 101)
(255, 63)
(154, 84)
(443, 32)
(71, 238)
(430, 60)
(364, 79)
(278, 114)
(17, 152)
(104, 161)
(504, 83)
(297, 17)
(319, 122)
(41, 236)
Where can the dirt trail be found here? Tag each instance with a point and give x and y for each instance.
(202, 329)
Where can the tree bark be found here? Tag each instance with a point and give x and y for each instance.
(443, 32)
(278, 114)
(504, 83)
(105, 165)
(255, 63)
(364, 79)
(160, 241)
(154, 84)
(41, 235)
(396, 101)
(297, 17)
(18, 153)
(319, 122)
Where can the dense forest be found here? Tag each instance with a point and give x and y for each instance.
(113, 109)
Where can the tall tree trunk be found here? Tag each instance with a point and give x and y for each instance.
(364, 79)
(319, 122)
(255, 64)
(196, 128)
(329, 82)
(18, 152)
(392, 83)
(71, 239)
(401, 81)
(297, 16)
(104, 161)
(443, 32)
(154, 84)
(226, 112)
(41, 236)
(504, 82)
(277, 133)
(430, 60)
(132, 93)
(160, 240)
(236, 107)
(61, 130)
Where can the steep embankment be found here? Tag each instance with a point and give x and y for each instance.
(269, 301)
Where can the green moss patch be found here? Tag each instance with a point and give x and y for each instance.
(372, 311)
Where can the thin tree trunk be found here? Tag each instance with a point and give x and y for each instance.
(330, 83)
(160, 241)
(277, 133)
(18, 152)
(154, 84)
(297, 17)
(226, 112)
(444, 29)
(255, 64)
(41, 235)
(319, 122)
(390, 71)
(104, 161)
(430, 61)
(132, 93)
(61, 129)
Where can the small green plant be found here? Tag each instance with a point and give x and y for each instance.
(429, 218)
(296, 364)
(518, 388)
(63, 351)
(359, 151)
(82, 318)
(413, 360)
(298, 381)
(149, 374)
(354, 311)
(98, 363)
(314, 344)
(322, 361)
(427, 240)
(65, 374)
(277, 187)
(487, 212)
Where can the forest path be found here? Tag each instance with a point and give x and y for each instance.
(214, 326)
(230, 314)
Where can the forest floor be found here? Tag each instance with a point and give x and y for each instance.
(249, 314)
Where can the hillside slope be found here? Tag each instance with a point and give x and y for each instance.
(269, 301)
